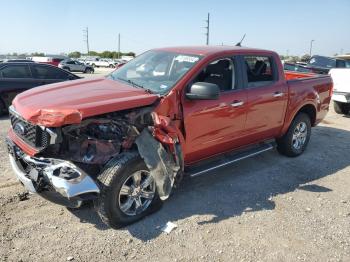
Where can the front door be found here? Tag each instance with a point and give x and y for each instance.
(215, 126)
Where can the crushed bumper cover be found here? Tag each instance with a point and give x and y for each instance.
(58, 180)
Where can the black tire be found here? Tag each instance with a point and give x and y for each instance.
(89, 71)
(111, 66)
(286, 145)
(93, 65)
(111, 180)
(341, 108)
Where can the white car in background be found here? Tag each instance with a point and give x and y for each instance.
(101, 63)
(341, 90)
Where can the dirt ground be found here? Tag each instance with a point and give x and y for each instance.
(267, 208)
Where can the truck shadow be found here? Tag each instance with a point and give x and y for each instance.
(245, 187)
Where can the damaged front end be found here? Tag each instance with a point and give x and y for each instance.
(66, 168)
(60, 181)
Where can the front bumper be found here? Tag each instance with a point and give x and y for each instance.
(58, 180)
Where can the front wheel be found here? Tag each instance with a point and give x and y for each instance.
(341, 108)
(295, 141)
(128, 191)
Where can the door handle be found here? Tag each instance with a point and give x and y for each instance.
(237, 103)
(278, 94)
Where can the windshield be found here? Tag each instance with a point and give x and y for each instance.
(156, 71)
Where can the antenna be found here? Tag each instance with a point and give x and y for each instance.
(240, 42)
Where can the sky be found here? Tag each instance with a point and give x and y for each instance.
(287, 27)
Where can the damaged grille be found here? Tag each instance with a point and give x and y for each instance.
(29, 133)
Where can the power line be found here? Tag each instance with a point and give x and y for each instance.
(86, 39)
(118, 45)
(207, 27)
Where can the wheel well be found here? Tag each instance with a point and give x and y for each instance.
(310, 110)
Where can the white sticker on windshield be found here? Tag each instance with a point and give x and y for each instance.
(186, 58)
(163, 86)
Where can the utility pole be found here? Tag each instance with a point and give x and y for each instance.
(86, 38)
(207, 27)
(311, 47)
(118, 46)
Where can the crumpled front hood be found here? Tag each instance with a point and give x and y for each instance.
(69, 102)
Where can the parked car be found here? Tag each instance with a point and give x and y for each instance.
(322, 64)
(16, 77)
(125, 140)
(76, 66)
(101, 63)
(341, 94)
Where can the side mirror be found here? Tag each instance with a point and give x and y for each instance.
(203, 91)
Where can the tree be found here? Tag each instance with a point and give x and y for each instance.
(130, 54)
(305, 58)
(75, 54)
(93, 53)
(106, 54)
(37, 54)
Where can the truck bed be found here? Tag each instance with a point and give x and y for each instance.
(291, 75)
(300, 85)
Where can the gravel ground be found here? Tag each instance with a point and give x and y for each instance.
(267, 208)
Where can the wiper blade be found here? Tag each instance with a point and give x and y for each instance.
(135, 84)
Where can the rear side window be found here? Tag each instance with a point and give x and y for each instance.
(260, 70)
(48, 72)
(15, 71)
(340, 64)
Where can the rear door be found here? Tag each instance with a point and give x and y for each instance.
(72, 66)
(267, 97)
(14, 79)
(216, 126)
(79, 66)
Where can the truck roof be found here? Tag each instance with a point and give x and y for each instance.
(208, 50)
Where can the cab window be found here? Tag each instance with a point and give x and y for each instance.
(259, 70)
(220, 72)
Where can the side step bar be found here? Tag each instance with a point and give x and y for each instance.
(227, 159)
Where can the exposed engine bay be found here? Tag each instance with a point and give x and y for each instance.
(93, 142)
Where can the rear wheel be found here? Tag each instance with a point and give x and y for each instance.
(295, 141)
(128, 191)
(341, 108)
(89, 71)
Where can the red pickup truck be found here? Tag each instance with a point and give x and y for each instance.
(125, 140)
